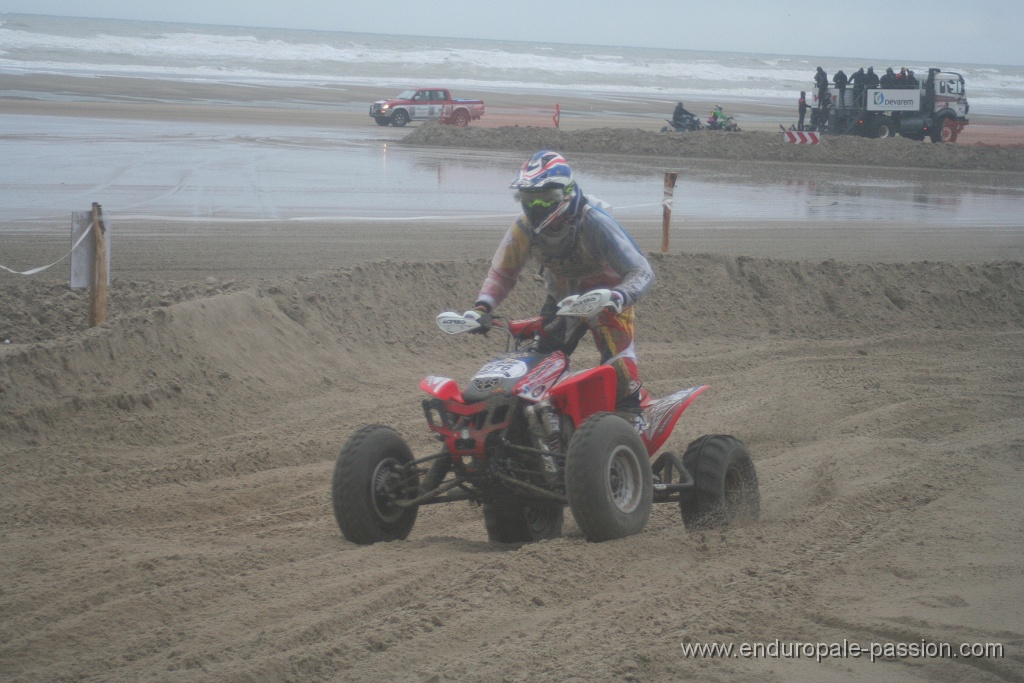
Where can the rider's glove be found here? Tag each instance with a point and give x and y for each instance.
(618, 301)
(484, 317)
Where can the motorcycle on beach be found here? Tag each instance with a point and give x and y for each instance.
(528, 436)
(719, 121)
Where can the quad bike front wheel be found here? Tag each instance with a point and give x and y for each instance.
(608, 479)
(371, 475)
(725, 489)
(518, 523)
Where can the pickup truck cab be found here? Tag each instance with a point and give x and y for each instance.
(422, 104)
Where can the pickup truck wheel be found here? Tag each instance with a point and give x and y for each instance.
(725, 488)
(381, 121)
(399, 118)
(461, 118)
(608, 479)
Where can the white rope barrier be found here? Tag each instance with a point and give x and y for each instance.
(33, 271)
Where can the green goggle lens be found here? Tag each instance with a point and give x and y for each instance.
(540, 198)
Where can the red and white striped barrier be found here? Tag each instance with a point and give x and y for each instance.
(801, 138)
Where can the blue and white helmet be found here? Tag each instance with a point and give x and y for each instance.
(550, 199)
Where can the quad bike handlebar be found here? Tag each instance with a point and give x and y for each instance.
(587, 305)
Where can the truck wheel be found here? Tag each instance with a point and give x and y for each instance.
(370, 474)
(608, 479)
(516, 523)
(949, 131)
(381, 121)
(461, 118)
(884, 128)
(399, 118)
(725, 484)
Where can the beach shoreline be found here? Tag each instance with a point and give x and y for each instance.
(339, 106)
(215, 251)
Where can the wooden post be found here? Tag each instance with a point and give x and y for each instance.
(666, 209)
(98, 290)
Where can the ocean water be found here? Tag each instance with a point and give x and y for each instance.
(88, 47)
(205, 172)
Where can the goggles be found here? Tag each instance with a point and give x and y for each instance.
(545, 199)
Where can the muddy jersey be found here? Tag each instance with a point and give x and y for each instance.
(603, 256)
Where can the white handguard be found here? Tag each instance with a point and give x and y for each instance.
(459, 323)
(590, 304)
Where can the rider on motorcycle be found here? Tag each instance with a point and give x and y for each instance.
(580, 247)
(718, 118)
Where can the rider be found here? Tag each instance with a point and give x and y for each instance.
(680, 114)
(580, 248)
(718, 117)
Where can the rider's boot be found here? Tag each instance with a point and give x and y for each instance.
(628, 408)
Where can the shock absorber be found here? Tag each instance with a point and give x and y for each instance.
(545, 427)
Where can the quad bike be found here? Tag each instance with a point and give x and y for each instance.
(687, 123)
(526, 437)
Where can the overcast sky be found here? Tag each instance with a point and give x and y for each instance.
(964, 31)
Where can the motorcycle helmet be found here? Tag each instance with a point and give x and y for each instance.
(546, 190)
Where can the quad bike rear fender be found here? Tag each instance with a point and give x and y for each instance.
(661, 415)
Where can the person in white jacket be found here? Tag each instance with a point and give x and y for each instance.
(580, 247)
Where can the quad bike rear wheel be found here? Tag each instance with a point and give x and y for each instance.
(725, 489)
(518, 523)
(370, 475)
(608, 479)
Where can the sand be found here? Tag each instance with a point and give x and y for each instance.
(164, 476)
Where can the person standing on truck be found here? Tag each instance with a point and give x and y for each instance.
(821, 82)
(840, 80)
(859, 80)
(802, 108)
(888, 79)
(872, 78)
(580, 247)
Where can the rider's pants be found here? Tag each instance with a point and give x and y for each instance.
(613, 335)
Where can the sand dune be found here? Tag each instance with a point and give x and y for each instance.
(165, 484)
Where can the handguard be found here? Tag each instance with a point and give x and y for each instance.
(590, 304)
(460, 323)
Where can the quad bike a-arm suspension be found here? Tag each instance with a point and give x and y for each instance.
(433, 488)
(666, 488)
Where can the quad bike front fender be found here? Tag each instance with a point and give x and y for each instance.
(660, 416)
(443, 388)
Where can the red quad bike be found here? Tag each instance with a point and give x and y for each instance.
(527, 436)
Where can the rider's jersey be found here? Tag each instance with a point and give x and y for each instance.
(603, 256)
